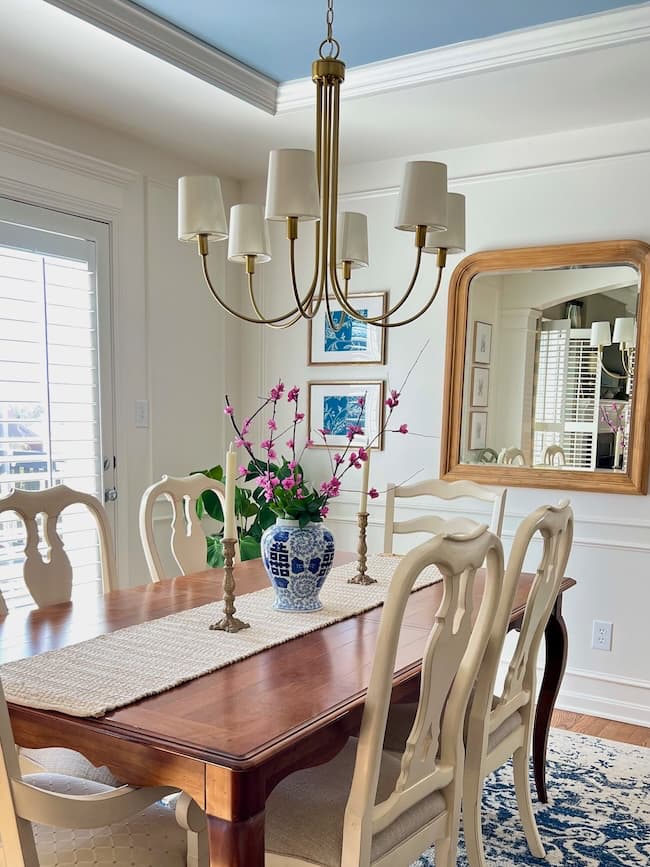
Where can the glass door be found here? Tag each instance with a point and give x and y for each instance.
(55, 379)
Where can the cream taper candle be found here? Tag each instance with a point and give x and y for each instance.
(365, 478)
(229, 524)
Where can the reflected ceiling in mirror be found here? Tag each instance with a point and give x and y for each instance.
(547, 380)
(545, 385)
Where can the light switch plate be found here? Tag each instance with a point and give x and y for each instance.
(142, 413)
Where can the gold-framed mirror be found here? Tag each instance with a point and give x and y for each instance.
(547, 374)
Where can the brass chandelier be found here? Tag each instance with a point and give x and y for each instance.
(302, 186)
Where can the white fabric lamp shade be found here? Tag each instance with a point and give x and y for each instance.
(200, 208)
(292, 185)
(452, 239)
(249, 234)
(352, 239)
(624, 330)
(601, 334)
(423, 197)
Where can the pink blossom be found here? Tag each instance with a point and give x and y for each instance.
(361, 401)
(323, 511)
(276, 391)
(299, 494)
(266, 444)
(242, 470)
(309, 444)
(353, 430)
(298, 416)
(271, 424)
(324, 431)
(291, 444)
(363, 454)
(272, 454)
(403, 429)
(293, 465)
(373, 493)
(245, 426)
(229, 410)
(293, 393)
(242, 443)
(288, 483)
(338, 459)
(331, 488)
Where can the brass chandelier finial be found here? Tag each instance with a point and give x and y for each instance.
(302, 186)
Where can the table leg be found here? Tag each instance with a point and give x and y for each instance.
(236, 844)
(556, 655)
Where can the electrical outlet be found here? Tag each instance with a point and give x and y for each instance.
(142, 413)
(601, 637)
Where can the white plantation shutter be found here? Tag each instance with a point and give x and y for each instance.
(567, 388)
(50, 431)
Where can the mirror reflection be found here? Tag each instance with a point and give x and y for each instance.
(549, 368)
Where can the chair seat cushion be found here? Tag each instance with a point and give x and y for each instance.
(304, 813)
(402, 716)
(151, 838)
(57, 760)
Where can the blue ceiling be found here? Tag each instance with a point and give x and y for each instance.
(280, 37)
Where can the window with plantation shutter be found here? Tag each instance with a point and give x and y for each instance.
(567, 387)
(52, 428)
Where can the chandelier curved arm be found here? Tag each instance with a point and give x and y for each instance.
(231, 310)
(263, 320)
(610, 373)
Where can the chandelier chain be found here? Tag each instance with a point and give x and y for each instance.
(334, 49)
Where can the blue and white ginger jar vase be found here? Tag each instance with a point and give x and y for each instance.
(297, 561)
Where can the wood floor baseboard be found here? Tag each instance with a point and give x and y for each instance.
(601, 728)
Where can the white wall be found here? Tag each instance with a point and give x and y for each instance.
(170, 342)
(579, 186)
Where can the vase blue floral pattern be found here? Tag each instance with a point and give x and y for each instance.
(297, 561)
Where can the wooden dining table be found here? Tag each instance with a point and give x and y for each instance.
(227, 738)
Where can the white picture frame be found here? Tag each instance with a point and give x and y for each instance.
(333, 405)
(482, 342)
(357, 342)
(480, 386)
(477, 430)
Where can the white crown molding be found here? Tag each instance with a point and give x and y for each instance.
(162, 39)
(601, 30)
(26, 146)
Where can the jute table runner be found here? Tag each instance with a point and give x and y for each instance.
(113, 670)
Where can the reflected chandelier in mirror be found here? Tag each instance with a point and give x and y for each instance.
(547, 368)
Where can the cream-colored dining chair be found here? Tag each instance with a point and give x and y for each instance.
(188, 543)
(512, 456)
(34, 808)
(501, 726)
(554, 456)
(49, 581)
(366, 807)
(443, 491)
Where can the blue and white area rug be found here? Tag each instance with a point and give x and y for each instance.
(598, 814)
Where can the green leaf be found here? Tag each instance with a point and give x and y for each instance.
(215, 551)
(212, 505)
(249, 549)
(200, 508)
(265, 517)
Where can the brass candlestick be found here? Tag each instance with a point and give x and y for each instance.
(229, 623)
(362, 576)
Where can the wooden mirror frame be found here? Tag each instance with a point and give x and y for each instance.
(635, 479)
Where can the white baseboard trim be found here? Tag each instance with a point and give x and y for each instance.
(596, 693)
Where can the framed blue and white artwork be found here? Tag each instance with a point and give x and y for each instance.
(336, 407)
(350, 341)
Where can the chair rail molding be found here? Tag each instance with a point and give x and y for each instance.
(545, 41)
(153, 34)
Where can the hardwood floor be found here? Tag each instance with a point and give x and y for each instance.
(602, 728)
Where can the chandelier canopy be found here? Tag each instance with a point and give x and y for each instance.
(302, 186)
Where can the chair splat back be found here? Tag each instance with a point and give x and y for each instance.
(49, 578)
(433, 758)
(188, 544)
(441, 490)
